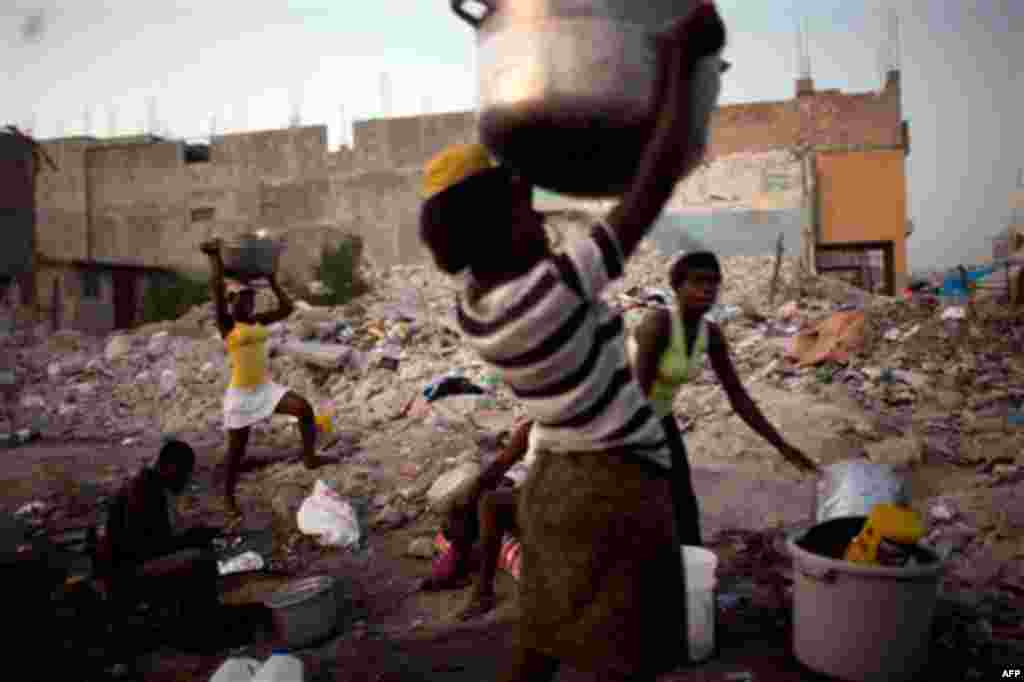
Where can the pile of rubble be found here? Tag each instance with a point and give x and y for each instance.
(840, 372)
(369, 361)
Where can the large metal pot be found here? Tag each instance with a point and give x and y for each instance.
(566, 86)
(251, 256)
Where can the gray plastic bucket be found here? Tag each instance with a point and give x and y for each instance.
(305, 611)
(855, 622)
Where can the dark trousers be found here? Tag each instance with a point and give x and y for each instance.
(684, 500)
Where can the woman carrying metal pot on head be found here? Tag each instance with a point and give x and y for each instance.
(252, 396)
(601, 585)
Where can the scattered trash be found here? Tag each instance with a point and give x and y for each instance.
(450, 385)
(36, 508)
(941, 512)
(168, 382)
(729, 600)
(327, 419)
(788, 310)
(647, 297)
(722, 313)
(243, 563)
(327, 516)
(490, 382)
(32, 401)
(832, 339)
(827, 372)
(19, 437)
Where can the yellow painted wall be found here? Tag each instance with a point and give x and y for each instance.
(863, 197)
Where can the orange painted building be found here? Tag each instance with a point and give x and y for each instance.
(862, 200)
(856, 145)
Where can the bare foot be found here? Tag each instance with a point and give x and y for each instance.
(478, 605)
(318, 461)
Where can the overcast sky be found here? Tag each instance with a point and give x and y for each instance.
(249, 64)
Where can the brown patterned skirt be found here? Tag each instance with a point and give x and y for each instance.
(601, 585)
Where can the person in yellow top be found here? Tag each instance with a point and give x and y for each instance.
(667, 352)
(252, 396)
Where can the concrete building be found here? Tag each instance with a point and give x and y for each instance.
(20, 163)
(825, 169)
(120, 212)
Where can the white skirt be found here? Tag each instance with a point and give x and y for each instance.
(247, 406)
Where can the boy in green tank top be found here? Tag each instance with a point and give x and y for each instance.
(667, 351)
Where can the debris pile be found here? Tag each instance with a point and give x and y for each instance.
(368, 362)
(841, 373)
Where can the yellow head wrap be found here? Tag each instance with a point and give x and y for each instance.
(453, 165)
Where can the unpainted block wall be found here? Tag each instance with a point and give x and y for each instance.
(141, 199)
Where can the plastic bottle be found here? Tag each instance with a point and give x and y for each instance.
(281, 667)
(236, 670)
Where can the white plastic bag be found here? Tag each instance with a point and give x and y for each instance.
(168, 382)
(243, 563)
(326, 515)
(954, 313)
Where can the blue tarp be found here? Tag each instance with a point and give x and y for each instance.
(953, 285)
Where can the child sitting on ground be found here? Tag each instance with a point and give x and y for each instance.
(480, 514)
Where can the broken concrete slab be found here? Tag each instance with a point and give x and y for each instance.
(332, 356)
(158, 345)
(118, 347)
(447, 484)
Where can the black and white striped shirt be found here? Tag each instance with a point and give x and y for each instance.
(561, 351)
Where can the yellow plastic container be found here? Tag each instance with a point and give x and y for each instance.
(901, 525)
(325, 420)
(324, 423)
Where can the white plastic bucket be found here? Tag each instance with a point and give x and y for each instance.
(699, 567)
(236, 670)
(281, 667)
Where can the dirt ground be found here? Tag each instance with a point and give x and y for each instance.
(387, 631)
